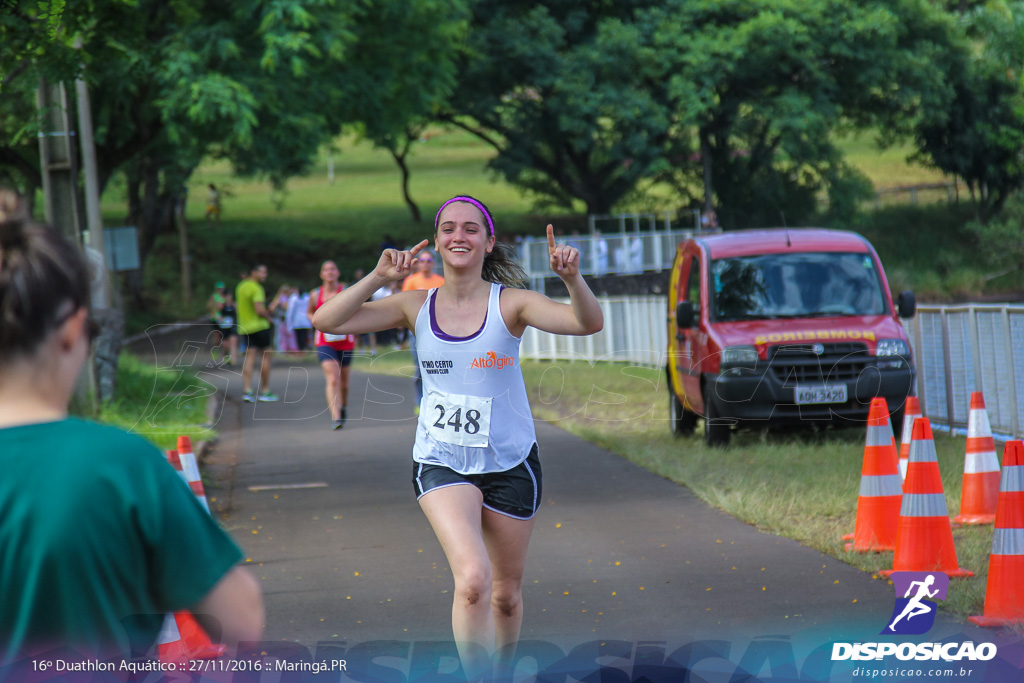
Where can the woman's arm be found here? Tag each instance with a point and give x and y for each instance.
(350, 312)
(580, 317)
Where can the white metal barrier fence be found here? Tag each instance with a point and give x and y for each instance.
(604, 254)
(634, 331)
(957, 350)
(965, 348)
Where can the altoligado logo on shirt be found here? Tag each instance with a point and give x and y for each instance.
(492, 361)
(914, 614)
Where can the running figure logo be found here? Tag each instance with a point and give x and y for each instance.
(914, 613)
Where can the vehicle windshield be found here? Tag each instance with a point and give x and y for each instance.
(795, 285)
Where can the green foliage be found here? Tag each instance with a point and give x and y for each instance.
(583, 101)
(158, 404)
(768, 82)
(980, 138)
(1002, 238)
(571, 95)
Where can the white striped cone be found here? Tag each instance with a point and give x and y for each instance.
(169, 645)
(191, 470)
(878, 504)
(175, 462)
(924, 540)
(1004, 592)
(911, 411)
(980, 493)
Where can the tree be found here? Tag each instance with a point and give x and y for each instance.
(981, 136)
(395, 87)
(260, 83)
(569, 93)
(732, 102)
(769, 83)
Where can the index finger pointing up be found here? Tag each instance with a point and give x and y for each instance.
(418, 248)
(551, 239)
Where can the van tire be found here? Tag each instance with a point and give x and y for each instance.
(716, 430)
(681, 420)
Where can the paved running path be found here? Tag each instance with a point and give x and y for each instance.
(330, 524)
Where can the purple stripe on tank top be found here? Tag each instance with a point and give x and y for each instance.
(444, 336)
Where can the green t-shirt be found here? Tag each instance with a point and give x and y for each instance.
(247, 294)
(99, 538)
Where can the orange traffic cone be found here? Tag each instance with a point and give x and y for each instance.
(196, 642)
(911, 411)
(881, 489)
(924, 541)
(1004, 593)
(169, 645)
(183, 632)
(175, 461)
(191, 470)
(980, 493)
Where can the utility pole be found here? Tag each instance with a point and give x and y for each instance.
(63, 209)
(58, 162)
(186, 260)
(107, 347)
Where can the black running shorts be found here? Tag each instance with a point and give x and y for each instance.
(514, 493)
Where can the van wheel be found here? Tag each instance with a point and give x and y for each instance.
(681, 420)
(716, 431)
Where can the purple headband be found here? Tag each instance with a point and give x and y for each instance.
(470, 200)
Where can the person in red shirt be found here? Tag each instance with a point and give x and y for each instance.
(333, 350)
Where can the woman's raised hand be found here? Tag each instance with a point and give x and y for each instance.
(395, 264)
(565, 260)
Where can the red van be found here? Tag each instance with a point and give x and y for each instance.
(779, 326)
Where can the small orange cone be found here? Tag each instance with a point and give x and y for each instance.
(924, 542)
(185, 638)
(911, 411)
(1004, 592)
(881, 489)
(175, 461)
(194, 638)
(980, 493)
(190, 468)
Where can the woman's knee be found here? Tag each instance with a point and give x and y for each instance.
(473, 584)
(507, 597)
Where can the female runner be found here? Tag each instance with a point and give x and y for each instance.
(476, 468)
(334, 351)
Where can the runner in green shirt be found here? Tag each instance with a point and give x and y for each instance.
(254, 326)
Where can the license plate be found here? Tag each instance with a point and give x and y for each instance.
(830, 393)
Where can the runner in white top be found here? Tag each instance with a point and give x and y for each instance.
(484, 538)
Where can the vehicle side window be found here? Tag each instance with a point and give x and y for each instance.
(693, 282)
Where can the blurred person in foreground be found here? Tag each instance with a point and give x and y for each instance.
(99, 537)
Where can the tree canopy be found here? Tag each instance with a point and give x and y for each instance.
(733, 102)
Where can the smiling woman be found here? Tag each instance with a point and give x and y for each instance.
(476, 469)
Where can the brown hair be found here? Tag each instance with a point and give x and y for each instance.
(43, 278)
(500, 265)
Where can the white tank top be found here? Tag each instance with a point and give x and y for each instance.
(474, 416)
